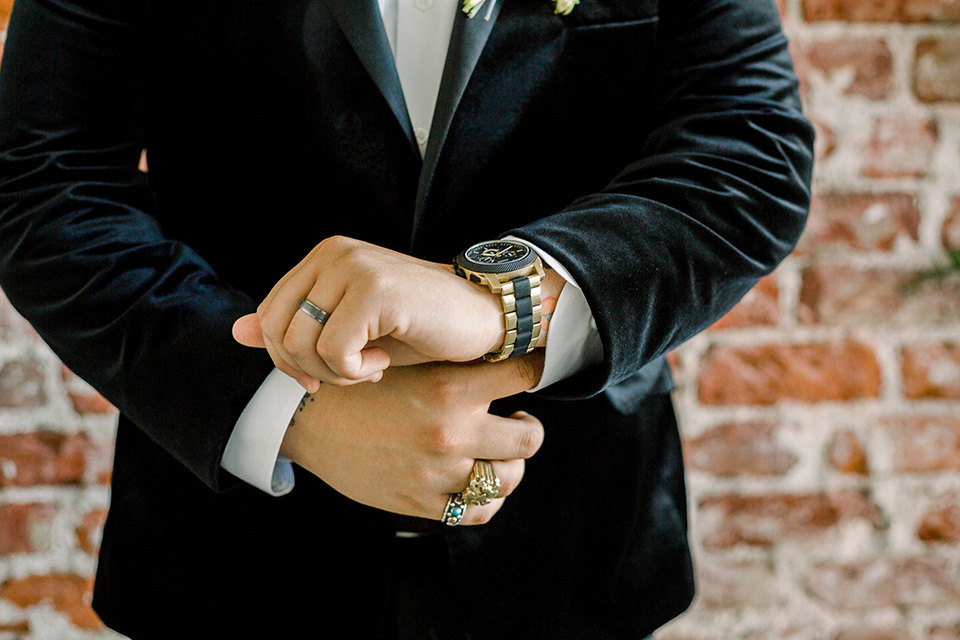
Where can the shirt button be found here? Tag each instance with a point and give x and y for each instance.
(424, 5)
(421, 134)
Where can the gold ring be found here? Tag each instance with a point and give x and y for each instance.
(484, 484)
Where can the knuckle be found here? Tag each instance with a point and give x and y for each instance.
(270, 324)
(289, 343)
(330, 353)
(333, 243)
(528, 442)
(507, 486)
(444, 440)
(484, 516)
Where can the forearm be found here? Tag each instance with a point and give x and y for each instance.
(716, 198)
(141, 317)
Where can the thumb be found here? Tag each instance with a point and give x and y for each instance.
(246, 331)
(509, 377)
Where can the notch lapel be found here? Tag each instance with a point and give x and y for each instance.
(467, 40)
(360, 21)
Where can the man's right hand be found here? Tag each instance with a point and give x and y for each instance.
(407, 442)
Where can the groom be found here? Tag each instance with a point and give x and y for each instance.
(652, 153)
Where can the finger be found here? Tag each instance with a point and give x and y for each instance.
(343, 342)
(517, 437)
(319, 372)
(300, 343)
(477, 515)
(246, 331)
(493, 380)
(509, 472)
(312, 385)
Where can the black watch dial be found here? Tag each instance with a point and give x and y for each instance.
(497, 256)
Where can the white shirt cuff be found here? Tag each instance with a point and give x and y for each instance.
(253, 450)
(574, 341)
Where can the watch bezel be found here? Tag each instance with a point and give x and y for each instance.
(480, 267)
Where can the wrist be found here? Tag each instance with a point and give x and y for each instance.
(552, 285)
(292, 445)
(512, 272)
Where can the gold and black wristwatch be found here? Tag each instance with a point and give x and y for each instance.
(513, 271)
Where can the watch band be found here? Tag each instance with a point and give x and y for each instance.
(521, 317)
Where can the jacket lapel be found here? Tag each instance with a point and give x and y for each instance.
(467, 40)
(361, 23)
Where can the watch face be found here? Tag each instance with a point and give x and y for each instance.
(498, 256)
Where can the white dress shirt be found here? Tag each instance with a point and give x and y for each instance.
(419, 34)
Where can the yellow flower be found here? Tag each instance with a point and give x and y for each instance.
(471, 7)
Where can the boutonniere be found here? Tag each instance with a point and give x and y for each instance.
(471, 7)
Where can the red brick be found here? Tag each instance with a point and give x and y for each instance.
(21, 385)
(941, 524)
(764, 520)
(882, 10)
(5, 7)
(936, 70)
(781, 630)
(951, 227)
(45, 457)
(873, 633)
(771, 373)
(846, 454)
(725, 583)
(26, 528)
(674, 360)
(748, 449)
(866, 61)
(885, 582)
(67, 593)
(931, 371)
(90, 530)
(842, 295)
(84, 398)
(760, 307)
(900, 148)
(860, 221)
(923, 444)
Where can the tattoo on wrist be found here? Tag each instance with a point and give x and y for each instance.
(547, 307)
(307, 397)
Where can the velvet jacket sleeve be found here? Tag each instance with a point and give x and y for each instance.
(717, 196)
(141, 317)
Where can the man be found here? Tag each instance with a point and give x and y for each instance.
(655, 151)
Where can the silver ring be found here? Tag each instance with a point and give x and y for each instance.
(453, 512)
(313, 311)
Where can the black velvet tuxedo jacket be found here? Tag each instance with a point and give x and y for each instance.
(655, 147)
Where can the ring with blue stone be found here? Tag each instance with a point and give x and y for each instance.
(453, 512)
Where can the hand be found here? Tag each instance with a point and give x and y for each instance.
(385, 308)
(405, 444)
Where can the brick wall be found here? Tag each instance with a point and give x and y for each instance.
(821, 417)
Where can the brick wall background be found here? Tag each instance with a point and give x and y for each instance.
(821, 417)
